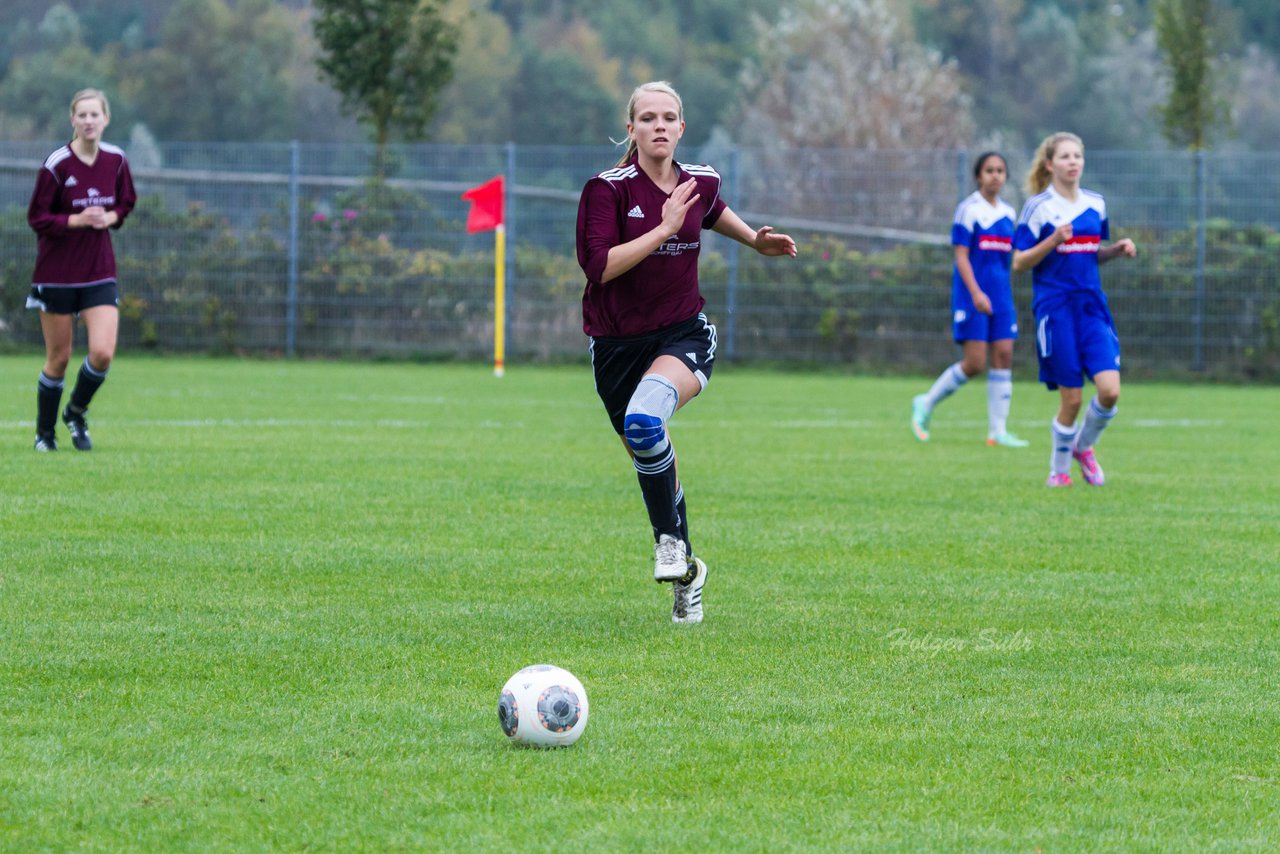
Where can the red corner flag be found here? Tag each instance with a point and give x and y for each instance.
(486, 205)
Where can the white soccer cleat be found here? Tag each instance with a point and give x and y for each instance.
(688, 596)
(670, 561)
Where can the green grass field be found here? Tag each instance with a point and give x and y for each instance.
(273, 609)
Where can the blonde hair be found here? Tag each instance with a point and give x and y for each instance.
(656, 86)
(85, 95)
(1038, 176)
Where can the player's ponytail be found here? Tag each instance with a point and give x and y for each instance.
(656, 86)
(1038, 176)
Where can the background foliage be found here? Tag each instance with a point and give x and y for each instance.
(558, 71)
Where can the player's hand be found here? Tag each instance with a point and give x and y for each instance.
(770, 243)
(94, 217)
(982, 302)
(1126, 248)
(1062, 234)
(676, 207)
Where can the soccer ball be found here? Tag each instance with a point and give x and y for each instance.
(543, 706)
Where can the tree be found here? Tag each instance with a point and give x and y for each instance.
(846, 74)
(388, 59)
(476, 105)
(217, 73)
(1184, 33)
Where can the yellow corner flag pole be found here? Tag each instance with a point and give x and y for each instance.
(499, 299)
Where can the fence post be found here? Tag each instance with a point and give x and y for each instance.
(509, 263)
(291, 296)
(1202, 205)
(731, 261)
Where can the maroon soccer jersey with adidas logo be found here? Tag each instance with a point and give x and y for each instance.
(78, 257)
(618, 206)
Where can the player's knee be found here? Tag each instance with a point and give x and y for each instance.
(58, 359)
(645, 424)
(646, 435)
(100, 359)
(1108, 397)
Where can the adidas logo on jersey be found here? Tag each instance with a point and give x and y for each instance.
(693, 357)
(636, 213)
(71, 181)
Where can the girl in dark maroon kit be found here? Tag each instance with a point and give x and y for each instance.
(83, 189)
(639, 233)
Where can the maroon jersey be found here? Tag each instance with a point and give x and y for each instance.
(618, 206)
(78, 257)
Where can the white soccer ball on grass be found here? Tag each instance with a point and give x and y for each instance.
(543, 706)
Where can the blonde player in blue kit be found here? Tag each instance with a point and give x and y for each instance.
(1060, 238)
(982, 310)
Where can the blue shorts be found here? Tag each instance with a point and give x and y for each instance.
(973, 325)
(1074, 340)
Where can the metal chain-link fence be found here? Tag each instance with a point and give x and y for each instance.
(290, 249)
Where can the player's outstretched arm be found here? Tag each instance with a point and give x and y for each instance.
(764, 240)
(1125, 248)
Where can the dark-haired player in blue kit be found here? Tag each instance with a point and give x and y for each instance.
(982, 311)
(83, 189)
(1060, 238)
(652, 349)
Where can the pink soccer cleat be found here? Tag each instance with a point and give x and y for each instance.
(1058, 480)
(1089, 467)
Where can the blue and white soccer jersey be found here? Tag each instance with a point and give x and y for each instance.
(987, 230)
(1075, 335)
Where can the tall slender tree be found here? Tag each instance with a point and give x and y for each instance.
(388, 59)
(1184, 32)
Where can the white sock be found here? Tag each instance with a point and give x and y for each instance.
(1096, 420)
(1064, 442)
(945, 385)
(999, 396)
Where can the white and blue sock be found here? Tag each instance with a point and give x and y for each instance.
(1096, 419)
(945, 385)
(999, 397)
(1064, 442)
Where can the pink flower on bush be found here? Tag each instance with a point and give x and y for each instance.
(318, 216)
(349, 214)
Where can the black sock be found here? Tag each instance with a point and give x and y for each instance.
(658, 486)
(48, 396)
(684, 521)
(88, 382)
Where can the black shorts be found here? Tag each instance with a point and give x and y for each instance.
(620, 363)
(61, 300)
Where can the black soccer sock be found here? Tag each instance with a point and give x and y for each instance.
(659, 491)
(88, 382)
(48, 396)
(684, 521)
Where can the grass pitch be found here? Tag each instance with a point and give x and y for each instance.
(273, 610)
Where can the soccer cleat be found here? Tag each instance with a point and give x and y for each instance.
(1058, 480)
(46, 442)
(920, 415)
(1006, 440)
(1089, 467)
(79, 429)
(670, 561)
(688, 594)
